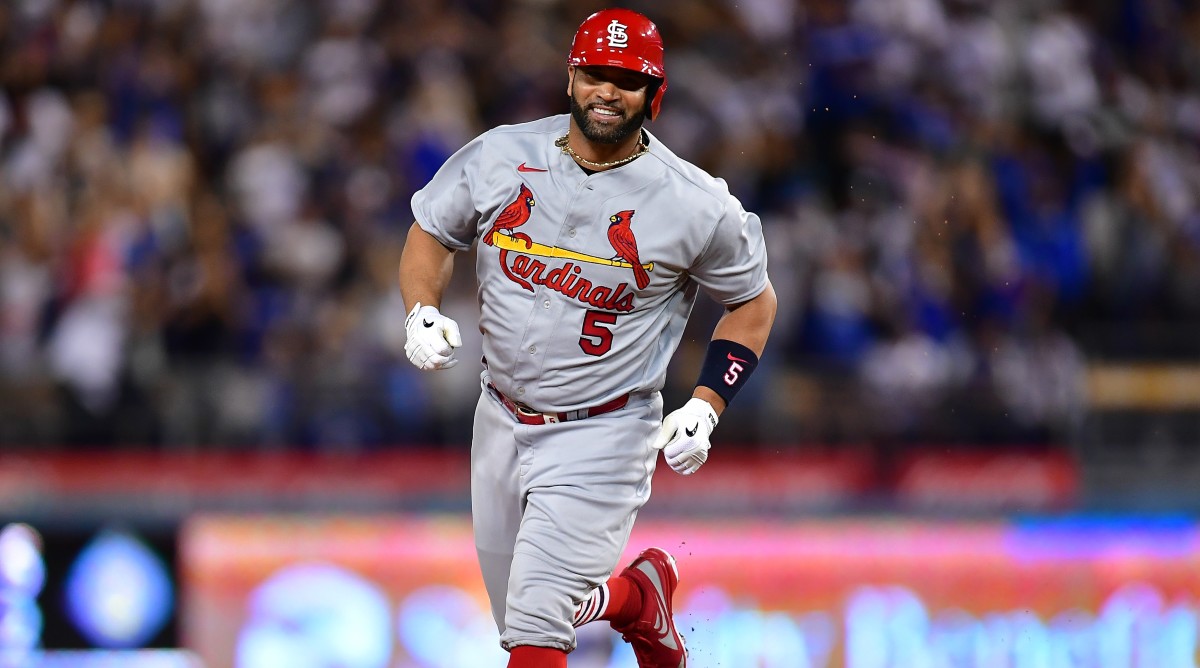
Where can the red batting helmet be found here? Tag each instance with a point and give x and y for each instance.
(622, 38)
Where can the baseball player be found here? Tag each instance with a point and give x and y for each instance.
(594, 241)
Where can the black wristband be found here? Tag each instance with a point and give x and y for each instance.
(727, 365)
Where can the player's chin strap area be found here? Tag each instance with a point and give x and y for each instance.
(526, 415)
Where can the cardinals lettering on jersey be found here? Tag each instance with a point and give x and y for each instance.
(513, 216)
(528, 263)
(621, 237)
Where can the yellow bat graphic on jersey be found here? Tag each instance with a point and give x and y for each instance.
(506, 242)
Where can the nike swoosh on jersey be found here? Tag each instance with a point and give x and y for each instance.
(427, 323)
(522, 168)
(735, 359)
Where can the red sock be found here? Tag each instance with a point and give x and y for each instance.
(528, 656)
(625, 601)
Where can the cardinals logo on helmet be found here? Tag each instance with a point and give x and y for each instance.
(617, 37)
(620, 235)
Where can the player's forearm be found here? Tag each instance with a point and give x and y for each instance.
(748, 324)
(425, 269)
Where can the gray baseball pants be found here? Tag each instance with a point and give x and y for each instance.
(552, 509)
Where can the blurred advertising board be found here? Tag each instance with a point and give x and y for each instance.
(145, 658)
(143, 486)
(985, 481)
(80, 596)
(166, 487)
(404, 592)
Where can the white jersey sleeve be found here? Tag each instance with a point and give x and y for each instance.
(445, 207)
(732, 268)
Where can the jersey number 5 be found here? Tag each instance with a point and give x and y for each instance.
(597, 338)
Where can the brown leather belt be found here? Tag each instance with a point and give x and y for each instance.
(526, 415)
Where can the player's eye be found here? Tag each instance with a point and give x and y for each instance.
(622, 79)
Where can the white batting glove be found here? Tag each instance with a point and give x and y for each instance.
(432, 338)
(684, 436)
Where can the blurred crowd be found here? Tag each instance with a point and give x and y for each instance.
(203, 202)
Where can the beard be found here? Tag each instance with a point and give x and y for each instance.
(604, 134)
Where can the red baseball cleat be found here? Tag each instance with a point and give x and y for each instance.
(656, 643)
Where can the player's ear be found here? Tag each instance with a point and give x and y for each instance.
(570, 80)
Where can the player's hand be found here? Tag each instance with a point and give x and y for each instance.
(432, 338)
(684, 436)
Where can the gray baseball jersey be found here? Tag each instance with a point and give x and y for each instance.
(586, 281)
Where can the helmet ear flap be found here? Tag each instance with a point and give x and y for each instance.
(654, 97)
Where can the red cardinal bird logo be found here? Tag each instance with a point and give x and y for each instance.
(513, 216)
(622, 240)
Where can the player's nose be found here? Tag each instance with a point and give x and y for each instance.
(608, 92)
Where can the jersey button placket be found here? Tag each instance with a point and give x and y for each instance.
(534, 344)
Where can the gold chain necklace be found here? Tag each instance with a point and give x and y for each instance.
(562, 143)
